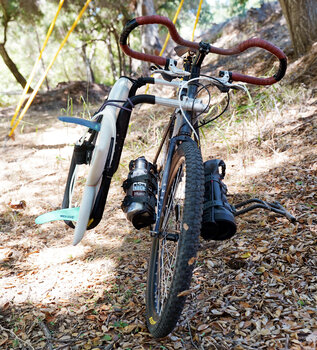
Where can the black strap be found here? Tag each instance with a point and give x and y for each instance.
(83, 152)
(212, 178)
(148, 178)
(211, 204)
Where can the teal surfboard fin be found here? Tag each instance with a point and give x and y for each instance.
(88, 123)
(70, 214)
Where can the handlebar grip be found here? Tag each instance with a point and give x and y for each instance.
(127, 30)
(134, 54)
(155, 19)
(162, 61)
(261, 43)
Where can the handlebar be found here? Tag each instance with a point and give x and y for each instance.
(162, 61)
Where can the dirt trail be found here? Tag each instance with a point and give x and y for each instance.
(255, 291)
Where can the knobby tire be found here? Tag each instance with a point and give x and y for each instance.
(172, 263)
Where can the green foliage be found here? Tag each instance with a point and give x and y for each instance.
(237, 7)
(120, 324)
(89, 45)
(187, 14)
(107, 337)
(26, 11)
(13, 10)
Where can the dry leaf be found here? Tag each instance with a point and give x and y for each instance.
(130, 328)
(192, 260)
(178, 345)
(260, 270)
(262, 249)
(4, 338)
(184, 293)
(210, 264)
(202, 327)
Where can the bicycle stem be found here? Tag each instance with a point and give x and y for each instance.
(194, 68)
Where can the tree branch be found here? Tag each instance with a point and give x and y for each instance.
(7, 19)
(27, 344)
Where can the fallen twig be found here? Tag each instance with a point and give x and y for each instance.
(191, 337)
(26, 343)
(47, 334)
(67, 342)
(110, 346)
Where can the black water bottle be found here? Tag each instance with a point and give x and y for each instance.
(140, 188)
(218, 220)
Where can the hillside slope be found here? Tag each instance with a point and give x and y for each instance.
(255, 291)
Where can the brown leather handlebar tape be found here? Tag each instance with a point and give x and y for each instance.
(252, 80)
(173, 32)
(161, 61)
(255, 42)
(171, 28)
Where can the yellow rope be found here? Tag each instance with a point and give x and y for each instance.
(197, 18)
(26, 88)
(174, 21)
(30, 100)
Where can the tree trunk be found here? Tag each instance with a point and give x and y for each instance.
(149, 33)
(117, 40)
(301, 17)
(13, 68)
(89, 72)
(64, 66)
(111, 56)
(124, 67)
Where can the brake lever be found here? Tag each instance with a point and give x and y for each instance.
(224, 86)
(226, 80)
(238, 87)
(172, 71)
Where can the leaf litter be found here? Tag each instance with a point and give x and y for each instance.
(255, 291)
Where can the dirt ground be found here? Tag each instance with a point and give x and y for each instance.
(257, 290)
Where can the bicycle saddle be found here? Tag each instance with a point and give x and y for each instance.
(181, 50)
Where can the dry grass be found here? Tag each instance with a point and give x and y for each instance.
(96, 289)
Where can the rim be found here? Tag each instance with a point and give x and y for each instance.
(171, 224)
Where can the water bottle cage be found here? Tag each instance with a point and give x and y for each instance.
(210, 204)
(224, 190)
(217, 177)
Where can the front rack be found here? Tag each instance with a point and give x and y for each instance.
(275, 206)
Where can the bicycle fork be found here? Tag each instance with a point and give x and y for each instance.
(162, 190)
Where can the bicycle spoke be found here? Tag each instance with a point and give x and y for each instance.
(168, 250)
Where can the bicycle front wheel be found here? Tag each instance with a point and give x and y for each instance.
(173, 253)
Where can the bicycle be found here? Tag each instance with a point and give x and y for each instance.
(182, 198)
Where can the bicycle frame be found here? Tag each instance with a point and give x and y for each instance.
(182, 132)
